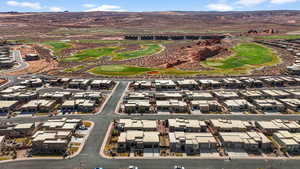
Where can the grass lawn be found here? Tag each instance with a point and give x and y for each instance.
(178, 72)
(94, 54)
(73, 150)
(119, 70)
(146, 50)
(87, 124)
(124, 42)
(279, 37)
(140, 42)
(247, 57)
(57, 47)
(245, 54)
(123, 70)
(21, 140)
(4, 158)
(96, 41)
(91, 54)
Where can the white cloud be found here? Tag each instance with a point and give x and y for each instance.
(220, 7)
(56, 9)
(89, 5)
(106, 8)
(257, 2)
(33, 5)
(282, 1)
(250, 2)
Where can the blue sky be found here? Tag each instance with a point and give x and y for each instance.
(146, 5)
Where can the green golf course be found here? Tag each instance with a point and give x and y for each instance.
(244, 54)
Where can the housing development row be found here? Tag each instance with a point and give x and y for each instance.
(196, 138)
(217, 101)
(34, 96)
(57, 137)
(215, 83)
(6, 58)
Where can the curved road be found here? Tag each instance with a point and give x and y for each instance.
(18, 58)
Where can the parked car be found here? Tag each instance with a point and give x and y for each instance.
(133, 167)
(178, 167)
(82, 127)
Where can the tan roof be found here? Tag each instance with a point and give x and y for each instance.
(191, 138)
(24, 126)
(229, 124)
(7, 104)
(2, 138)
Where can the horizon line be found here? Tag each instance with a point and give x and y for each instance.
(67, 11)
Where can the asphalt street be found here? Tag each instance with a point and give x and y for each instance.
(89, 157)
(16, 54)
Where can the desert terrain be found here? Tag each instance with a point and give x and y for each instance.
(93, 44)
(104, 24)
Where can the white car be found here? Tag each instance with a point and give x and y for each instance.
(178, 167)
(133, 167)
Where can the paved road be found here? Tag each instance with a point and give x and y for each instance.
(21, 65)
(16, 54)
(90, 158)
(18, 57)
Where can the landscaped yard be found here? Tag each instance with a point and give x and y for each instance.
(245, 54)
(21, 140)
(87, 124)
(4, 158)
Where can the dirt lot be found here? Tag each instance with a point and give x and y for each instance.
(2, 81)
(38, 66)
(45, 64)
